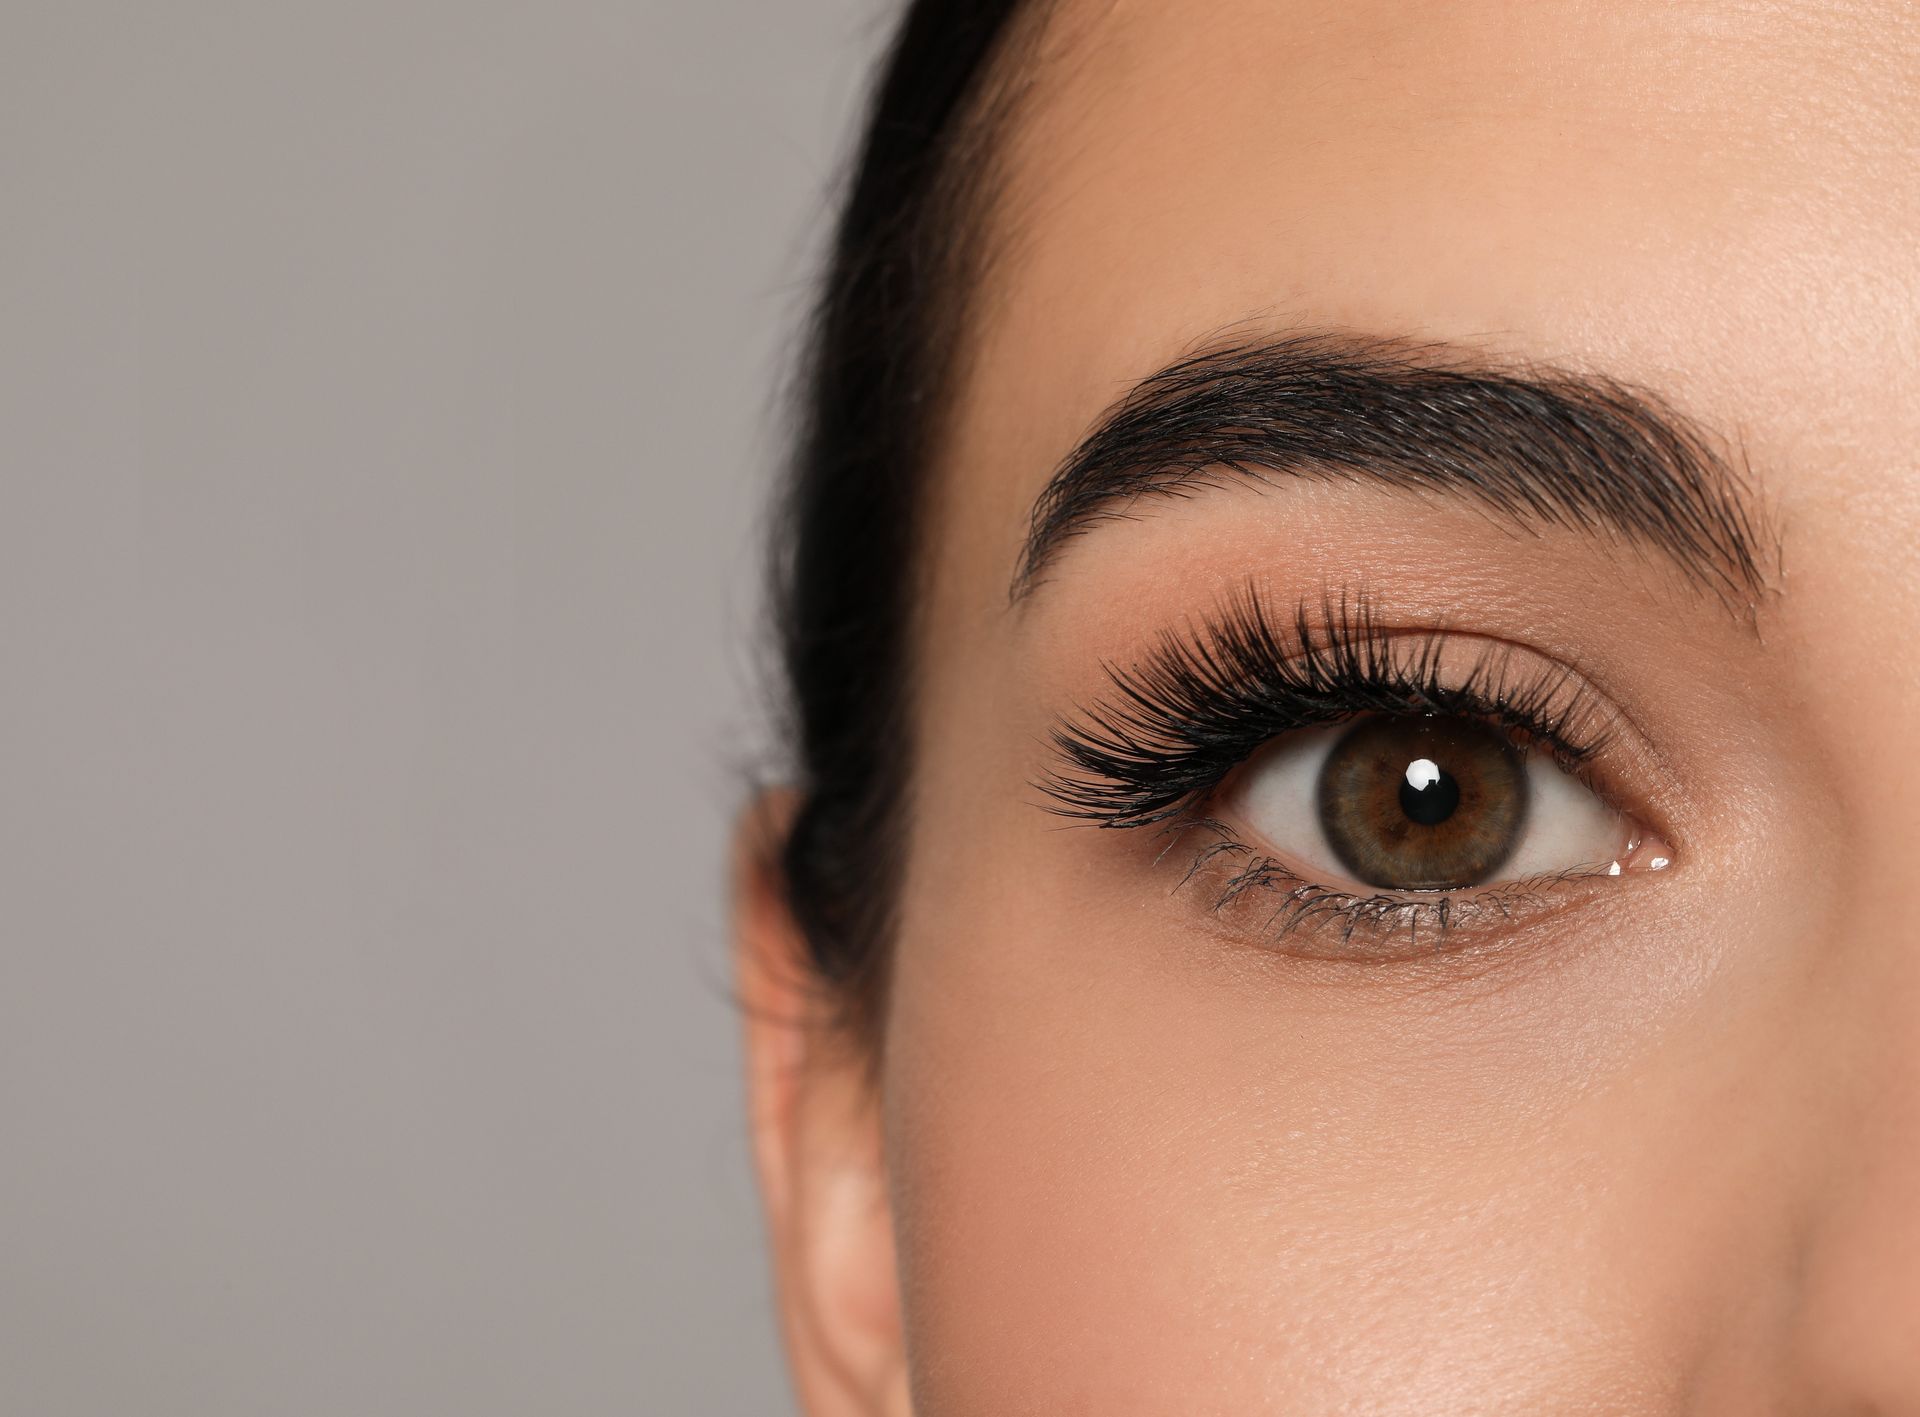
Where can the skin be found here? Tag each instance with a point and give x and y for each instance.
(1656, 1150)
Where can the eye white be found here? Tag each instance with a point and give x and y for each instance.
(1278, 797)
(1567, 827)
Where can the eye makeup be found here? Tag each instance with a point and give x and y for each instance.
(1362, 783)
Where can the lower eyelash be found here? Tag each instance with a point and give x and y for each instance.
(1361, 924)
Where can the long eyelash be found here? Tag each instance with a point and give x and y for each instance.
(1203, 701)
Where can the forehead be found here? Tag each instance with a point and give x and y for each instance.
(1715, 199)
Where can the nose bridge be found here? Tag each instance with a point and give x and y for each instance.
(1855, 1345)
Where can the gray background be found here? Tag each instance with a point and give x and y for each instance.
(385, 388)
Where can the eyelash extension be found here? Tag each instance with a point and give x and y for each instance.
(1173, 728)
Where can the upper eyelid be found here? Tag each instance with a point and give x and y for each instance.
(1489, 646)
(1618, 721)
(1199, 653)
(1619, 713)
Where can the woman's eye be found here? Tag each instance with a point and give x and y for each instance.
(1422, 804)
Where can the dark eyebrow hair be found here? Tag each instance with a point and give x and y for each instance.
(1542, 447)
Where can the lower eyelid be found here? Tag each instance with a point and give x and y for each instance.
(1273, 906)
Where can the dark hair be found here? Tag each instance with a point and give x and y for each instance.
(877, 362)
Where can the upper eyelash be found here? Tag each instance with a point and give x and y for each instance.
(1202, 702)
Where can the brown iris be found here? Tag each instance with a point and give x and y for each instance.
(1423, 803)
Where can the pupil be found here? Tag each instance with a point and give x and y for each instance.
(1428, 793)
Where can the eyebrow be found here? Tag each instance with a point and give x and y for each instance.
(1540, 447)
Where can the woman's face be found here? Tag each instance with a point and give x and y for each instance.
(1156, 1132)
